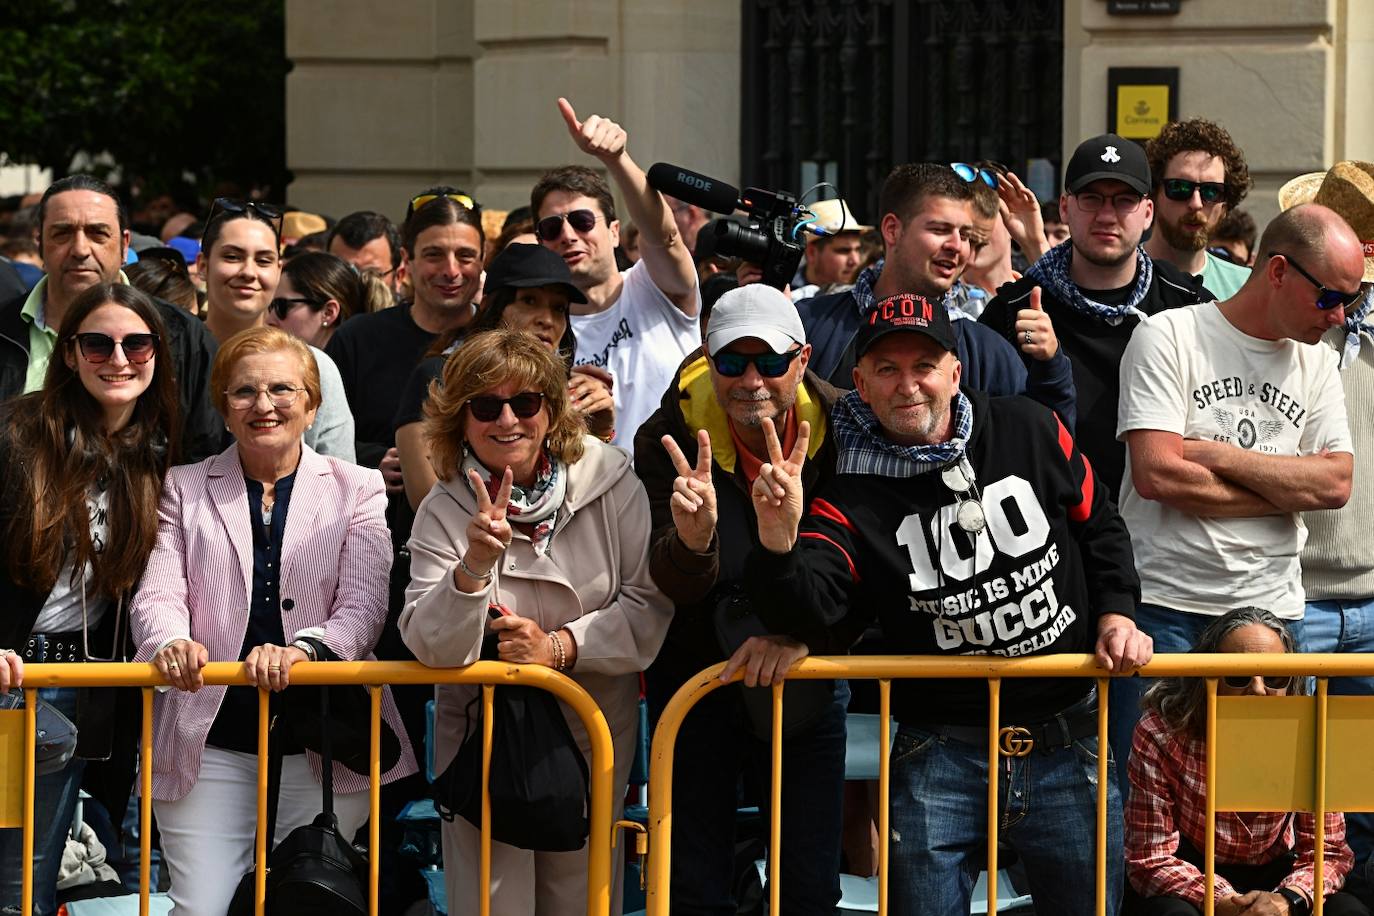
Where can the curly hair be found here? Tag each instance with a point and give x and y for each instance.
(1210, 137)
(487, 360)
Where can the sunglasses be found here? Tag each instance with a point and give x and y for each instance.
(272, 215)
(96, 348)
(958, 477)
(1271, 682)
(770, 365)
(1327, 299)
(282, 306)
(1182, 189)
(972, 173)
(458, 197)
(487, 407)
(551, 227)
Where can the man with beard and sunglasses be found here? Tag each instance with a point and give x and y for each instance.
(1199, 177)
(964, 525)
(1234, 423)
(638, 323)
(1099, 285)
(83, 234)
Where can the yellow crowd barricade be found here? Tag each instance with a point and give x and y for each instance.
(17, 748)
(1297, 753)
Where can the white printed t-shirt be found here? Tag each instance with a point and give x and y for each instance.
(640, 340)
(1190, 371)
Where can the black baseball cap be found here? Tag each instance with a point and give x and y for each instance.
(1108, 156)
(906, 312)
(523, 266)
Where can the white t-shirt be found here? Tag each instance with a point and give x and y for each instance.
(1190, 371)
(640, 340)
(61, 613)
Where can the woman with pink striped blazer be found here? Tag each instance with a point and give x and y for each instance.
(270, 554)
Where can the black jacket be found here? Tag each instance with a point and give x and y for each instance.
(694, 582)
(1055, 556)
(1095, 349)
(193, 350)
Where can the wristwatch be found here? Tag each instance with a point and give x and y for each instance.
(1297, 903)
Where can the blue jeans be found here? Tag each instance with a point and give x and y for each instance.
(1172, 631)
(714, 749)
(54, 807)
(1049, 816)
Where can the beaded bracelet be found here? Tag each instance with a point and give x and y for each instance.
(560, 655)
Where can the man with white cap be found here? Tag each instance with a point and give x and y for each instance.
(698, 456)
(1337, 561)
(833, 258)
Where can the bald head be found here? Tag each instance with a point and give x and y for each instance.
(1311, 233)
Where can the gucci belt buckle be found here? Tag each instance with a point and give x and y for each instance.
(1015, 741)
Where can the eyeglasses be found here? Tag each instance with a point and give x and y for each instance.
(551, 227)
(959, 478)
(280, 395)
(972, 173)
(458, 197)
(487, 407)
(268, 213)
(282, 305)
(1271, 682)
(97, 348)
(1327, 299)
(770, 365)
(1092, 201)
(1182, 189)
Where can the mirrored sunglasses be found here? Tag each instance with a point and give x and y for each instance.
(1327, 299)
(972, 173)
(770, 365)
(551, 227)
(1181, 189)
(97, 348)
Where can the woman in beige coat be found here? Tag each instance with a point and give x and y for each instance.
(552, 525)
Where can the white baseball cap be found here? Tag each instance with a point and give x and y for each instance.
(756, 310)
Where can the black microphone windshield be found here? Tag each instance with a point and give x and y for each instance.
(704, 192)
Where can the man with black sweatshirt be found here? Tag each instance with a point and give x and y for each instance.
(966, 525)
(1098, 286)
(927, 219)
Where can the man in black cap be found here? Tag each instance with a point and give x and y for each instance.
(1098, 285)
(966, 525)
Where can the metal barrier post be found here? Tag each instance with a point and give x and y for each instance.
(775, 816)
(884, 789)
(994, 717)
(1319, 803)
(374, 801)
(30, 766)
(1103, 749)
(262, 842)
(145, 804)
(1209, 856)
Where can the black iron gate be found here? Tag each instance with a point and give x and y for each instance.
(844, 89)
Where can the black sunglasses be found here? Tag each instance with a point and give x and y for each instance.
(268, 213)
(1181, 189)
(551, 227)
(1271, 682)
(282, 306)
(487, 407)
(1327, 299)
(97, 348)
(770, 365)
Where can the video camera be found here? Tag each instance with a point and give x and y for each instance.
(769, 238)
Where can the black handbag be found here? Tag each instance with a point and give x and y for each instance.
(314, 871)
(539, 782)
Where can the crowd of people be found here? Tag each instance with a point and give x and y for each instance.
(1123, 422)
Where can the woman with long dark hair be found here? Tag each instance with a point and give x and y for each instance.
(81, 467)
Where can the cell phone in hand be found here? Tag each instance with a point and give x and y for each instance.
(496, 611)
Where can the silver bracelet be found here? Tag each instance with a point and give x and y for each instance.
(471, 573)
(307, 648)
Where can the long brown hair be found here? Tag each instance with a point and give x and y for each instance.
(61, 452)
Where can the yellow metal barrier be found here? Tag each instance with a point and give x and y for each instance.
(1288, 781)
(372, 675)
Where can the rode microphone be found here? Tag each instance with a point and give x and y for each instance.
(694, 188)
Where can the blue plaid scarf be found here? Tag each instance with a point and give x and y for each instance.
(863, 449)
(1354, 324)
(1052, 272)
(863, 291)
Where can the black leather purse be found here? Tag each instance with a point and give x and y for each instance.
(315, 870)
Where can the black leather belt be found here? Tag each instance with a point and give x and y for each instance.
(1073, 724)
(53, 647)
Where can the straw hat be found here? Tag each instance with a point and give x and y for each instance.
(1348, 188)
(834, 216)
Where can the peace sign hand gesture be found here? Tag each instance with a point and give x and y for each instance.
(777, 490)
(694, 495)
(488, 533)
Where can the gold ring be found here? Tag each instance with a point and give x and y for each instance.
(274, 667)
